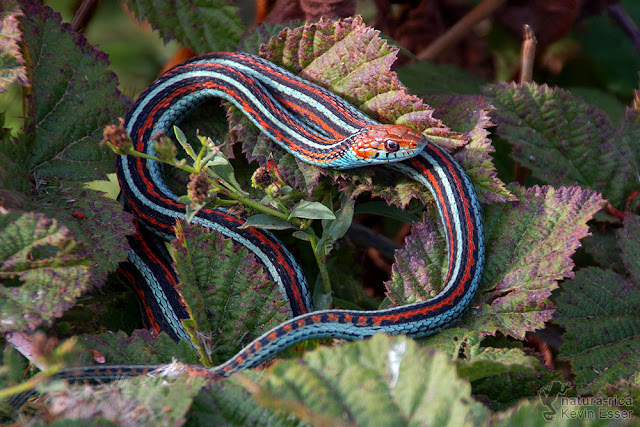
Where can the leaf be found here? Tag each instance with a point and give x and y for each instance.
(380, 381)
(12, 69)
(230, 402)
(73, 97)
(268, 222)
(529, 247)
(202, 25)
(474, 361)
(230, 297)
(98, 222)
(137, 401)
(311, 210)
(469, 115)
(334, 229)
(564, 141)
(43, 270)
(599, 309)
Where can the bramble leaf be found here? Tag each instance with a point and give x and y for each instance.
(229, 295)
(12, 69)
(137, 401)
(204, 26)
(528, 249)
(564, 141)
(73, 97)
(43, 270)
(380, 381)
(599, 309)
(230, 402)
(430, 78)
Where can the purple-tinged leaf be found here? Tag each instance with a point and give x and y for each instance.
(469, 115)
(43, 270)
(12, 69)
(73, 96)
(529, 245)
(99, 222)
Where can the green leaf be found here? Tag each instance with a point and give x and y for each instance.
(202, 25)
(73, 97)
(43, 270)
(311, 210)
(334, 229)
(599, 309)
(12, 69)
(564, 141)
(229, 295)
(268, 222)
(474, 361)
(380, 381)
(231, 403)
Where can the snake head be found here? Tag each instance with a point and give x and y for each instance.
(387, 143)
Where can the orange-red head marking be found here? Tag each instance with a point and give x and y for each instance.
(386, 143)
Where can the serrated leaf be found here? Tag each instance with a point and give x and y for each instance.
(528, 249)
(469, 115)
(98, 222)
(230, 402)
(475, 362)
(229, 295)
(534, 413)
(12, 69)
(599, 309)
(137, 401)
(529, 246)
(202, 25)
(43, 270)
(564, 141)
(380, 381)
(73, 97)
(311, 210)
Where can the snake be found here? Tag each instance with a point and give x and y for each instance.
(319, 128)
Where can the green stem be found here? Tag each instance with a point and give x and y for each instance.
(324, 273)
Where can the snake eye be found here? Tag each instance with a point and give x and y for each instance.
(391, 146)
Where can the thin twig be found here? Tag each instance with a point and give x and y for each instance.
(82, 15)
(460, 29)
(528, 54)
(527, 59)
(624, 21)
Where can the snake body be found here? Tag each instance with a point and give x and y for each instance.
(316, 127)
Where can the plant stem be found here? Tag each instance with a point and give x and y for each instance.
(324, 273)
